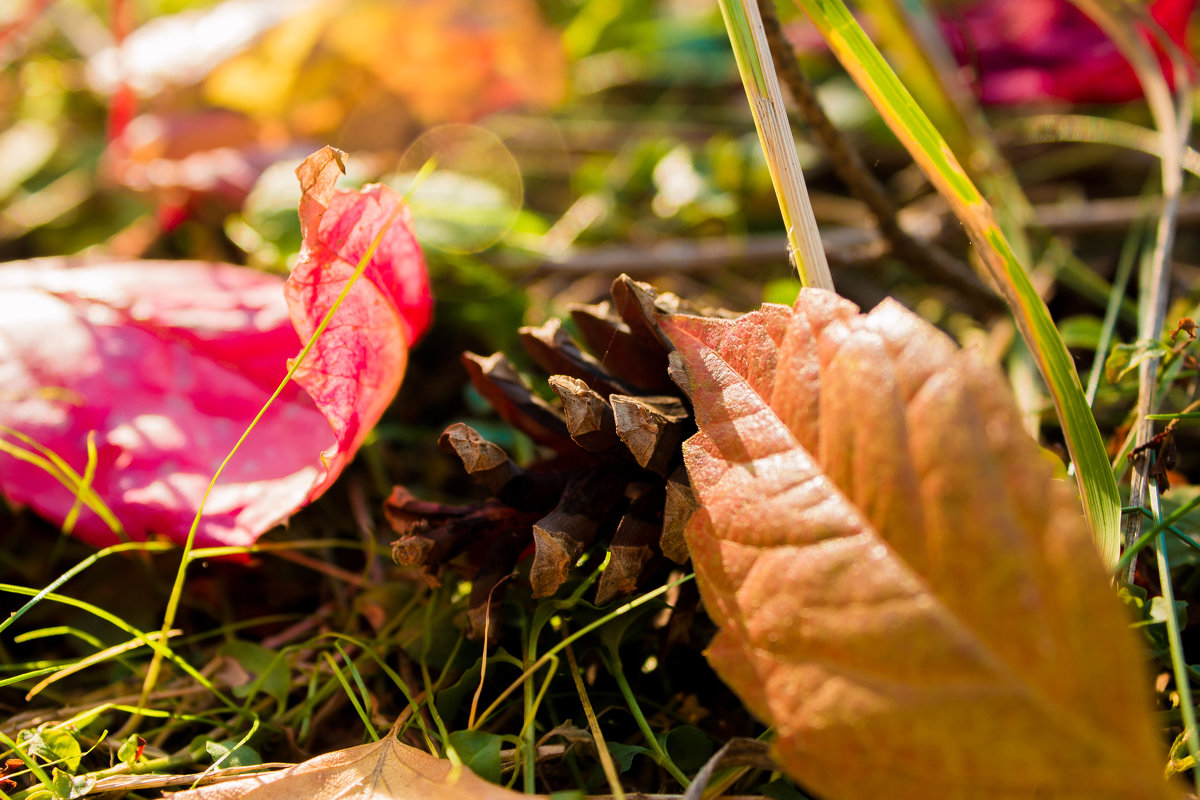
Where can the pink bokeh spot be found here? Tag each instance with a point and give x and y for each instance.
(1036, 51)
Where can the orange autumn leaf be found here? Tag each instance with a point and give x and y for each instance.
(903, 588)
(462, 59)
(415, 62)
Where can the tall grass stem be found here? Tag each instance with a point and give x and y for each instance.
(750, 49)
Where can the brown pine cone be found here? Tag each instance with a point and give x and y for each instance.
(613, 472)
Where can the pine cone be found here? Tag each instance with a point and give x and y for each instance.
(615, 474)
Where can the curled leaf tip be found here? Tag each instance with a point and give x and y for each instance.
(318, 175)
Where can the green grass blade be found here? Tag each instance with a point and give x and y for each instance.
(749, 41)
(350, 694)
(149, 547)
(1057, 128)
(54, 465)
(157, 643)
(1179, 664)
(1098, 488)
(1172, 116)
(177, 588)
(100, 657)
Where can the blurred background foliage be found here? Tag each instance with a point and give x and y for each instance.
(593, 122)
(574, 140)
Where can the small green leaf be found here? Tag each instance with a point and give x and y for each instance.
(238, 756)
(67, 786)
(1158, 611)
(480, 751)
(55, 747)
(130, 751)
(266, 671)
(688, 746)
(1124, 358)
(623, 754)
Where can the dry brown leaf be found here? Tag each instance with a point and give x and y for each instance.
(916, 606)
(383, 770)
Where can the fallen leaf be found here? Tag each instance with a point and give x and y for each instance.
(902, 587)
(194, 164)
(168, 363)
(383, 770)
(323, 72)
(353, 371)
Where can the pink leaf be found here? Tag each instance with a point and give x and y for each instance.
(355, 368)
(168, 362)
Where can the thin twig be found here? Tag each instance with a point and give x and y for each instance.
(718, 252)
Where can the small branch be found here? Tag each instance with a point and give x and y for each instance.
(717, 252)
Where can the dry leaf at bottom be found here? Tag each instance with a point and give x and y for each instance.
(902, 587)
(383, 770)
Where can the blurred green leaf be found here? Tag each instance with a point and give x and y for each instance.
(266, 671)
(55, 746)
(1124, 358)
(239, 756)
(688, 746)
(131, 749)
(480, 751)
(623, 754)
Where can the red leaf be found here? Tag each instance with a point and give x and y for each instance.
(167, 362)
(355, 368)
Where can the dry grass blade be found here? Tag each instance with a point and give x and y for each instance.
(916, 606)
